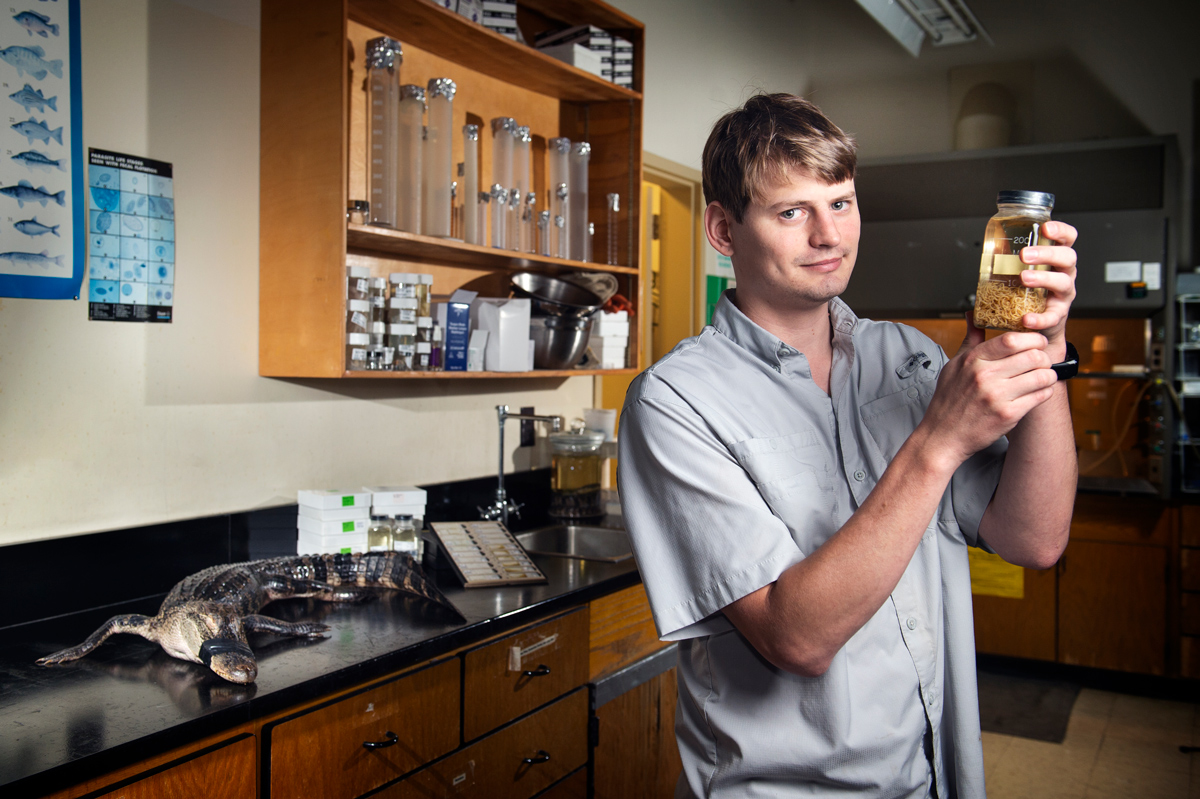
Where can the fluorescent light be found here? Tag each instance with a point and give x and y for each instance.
(909, 22)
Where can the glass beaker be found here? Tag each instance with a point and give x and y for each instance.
(575, 475)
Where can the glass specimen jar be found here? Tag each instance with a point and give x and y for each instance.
(1001, 300)
(402, 311)
(356, 351)
(403, 339)
(438, 168)
(379, 534)
(471, 232)
(424, 291)
(410, 155)
(404, 284)
(358, 316)
(575, 475)
(559, 152)
(404, 535)
(577, 215)
(357, 282)
(383, 99)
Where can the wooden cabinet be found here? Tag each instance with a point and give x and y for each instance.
(1024, 627)
(223, 767)
(312, 145)
(361, 741)
(636, 756)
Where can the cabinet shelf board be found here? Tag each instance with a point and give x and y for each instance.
(384, 375)
(448, 252)
(451, 36)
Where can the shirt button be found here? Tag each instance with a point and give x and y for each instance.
(860, 475)
(912, 624)
(912, 392)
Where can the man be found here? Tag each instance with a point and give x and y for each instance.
(801, 486)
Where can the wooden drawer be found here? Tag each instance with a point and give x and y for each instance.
(622, 631)
(555, 660)
(1189, 613)
(495, 767)
(1129, 520)
(1189, 569)
(321, 752)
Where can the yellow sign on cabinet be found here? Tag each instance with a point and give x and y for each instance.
(991, 575)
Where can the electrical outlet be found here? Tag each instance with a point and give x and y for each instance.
(527, 435)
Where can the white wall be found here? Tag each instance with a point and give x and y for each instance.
(106, 425)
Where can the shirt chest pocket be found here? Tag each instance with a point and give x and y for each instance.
(793, 475)
(892, 418)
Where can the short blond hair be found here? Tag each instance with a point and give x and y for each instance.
(764, 139)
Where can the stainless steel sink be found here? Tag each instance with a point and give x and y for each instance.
(578, 541)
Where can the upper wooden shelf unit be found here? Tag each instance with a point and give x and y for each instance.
(446, 34)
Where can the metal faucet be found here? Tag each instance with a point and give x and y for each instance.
(502, 505)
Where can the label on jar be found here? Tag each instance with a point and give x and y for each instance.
(1011, 265)
(406, 290)
(360, 285)
(405, 315)
(358, 355)
(358, 319)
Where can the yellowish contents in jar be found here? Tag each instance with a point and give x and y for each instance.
(1001, 307)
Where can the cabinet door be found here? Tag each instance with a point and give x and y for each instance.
(412, 720)
(224, 773)
(1022, 628)
(636, 756)
(1112, 605)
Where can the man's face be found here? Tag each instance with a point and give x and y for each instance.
(796, 245)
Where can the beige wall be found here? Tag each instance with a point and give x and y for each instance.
(106, 425)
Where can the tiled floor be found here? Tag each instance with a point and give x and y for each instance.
(1117, 747)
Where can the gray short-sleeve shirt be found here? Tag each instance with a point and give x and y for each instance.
(733, 466)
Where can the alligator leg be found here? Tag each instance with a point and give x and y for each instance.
(131, 623)
(281, 586)
(265, 624)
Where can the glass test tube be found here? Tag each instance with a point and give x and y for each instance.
(614, 207)
(577, 215)
(499, 210)
(410, 146)
(543, 225)
(528, 233)
(383, 97)
(481, 210)
(559, 151)
(513, 236)
(439, 163)
(560, 233)
(503, 129)
(522, 144)
(471, 231)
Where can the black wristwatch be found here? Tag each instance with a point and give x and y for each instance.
(1069, 367)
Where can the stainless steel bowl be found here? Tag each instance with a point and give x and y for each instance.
(555, 296)
(559, 342)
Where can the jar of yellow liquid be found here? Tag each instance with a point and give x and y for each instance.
(575, 475)
(1001, 300)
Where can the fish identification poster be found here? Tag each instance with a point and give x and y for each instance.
(43, 235)
(131, 238)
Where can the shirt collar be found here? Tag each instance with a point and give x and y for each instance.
(729, 320)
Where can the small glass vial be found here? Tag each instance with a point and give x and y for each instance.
(614, 207)
(358, 282)
(402, 311)
(439, 163)
(1001, 300)
(379, 534)
(404, 284)
(577, 215)
(421, 361)
(403, 338)
(424, 329)
(435, 350)
(383, 98)
(404, 535)
(378, 333)
(377, 287)
(358, 212)
(424, 290)
(356, 351)
(379, 358)
(358, 316)
(410, 157)
(471, 232)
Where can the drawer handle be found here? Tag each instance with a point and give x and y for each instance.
(392, 739)
(541, 671)
(542, 756)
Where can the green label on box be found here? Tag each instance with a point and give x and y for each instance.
(347, 527)
(346, 551)
(348, 502)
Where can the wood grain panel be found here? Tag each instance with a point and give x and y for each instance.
(1133, 520)
(1189, 657)
(1189, 569)
(573, 787)
(1189, 525)
(492, 768)
(637, 756)
(225, 770)
(622, 631)
(321, 753)
(302, 176)
(1112, 606)
(1189, 613)
(494, 695)
(1025, 627)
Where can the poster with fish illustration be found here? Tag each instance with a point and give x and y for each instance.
(131, 238)
(43, 230)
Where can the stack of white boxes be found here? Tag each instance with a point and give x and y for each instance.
(398, 501)
(501, 17)
(333, 522)
(609, 338)
(583, 46)
(618, 67)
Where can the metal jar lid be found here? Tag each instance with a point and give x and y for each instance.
(1040, 198)
(471, 132)
(560, 145)
(503, 123)
(522, 134)
(442, 87)
(384, 53)
(410, 91)
(583, 442)
(581, 148)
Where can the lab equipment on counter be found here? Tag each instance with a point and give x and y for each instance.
(471, 231)
(575, 474)
(410, 156)
(383, 129)
(485, 554)
(1001, 299)
(438, 169)
(577, 213)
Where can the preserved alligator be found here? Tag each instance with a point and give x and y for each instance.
(205, 617)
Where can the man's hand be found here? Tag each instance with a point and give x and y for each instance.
(1059, 282)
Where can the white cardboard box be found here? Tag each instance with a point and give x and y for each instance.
(577, 55)
(319, 527)
(335, 514)
(415, 511)
(396, 495)
(507, 324)
(326, 499)
(310, 544)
